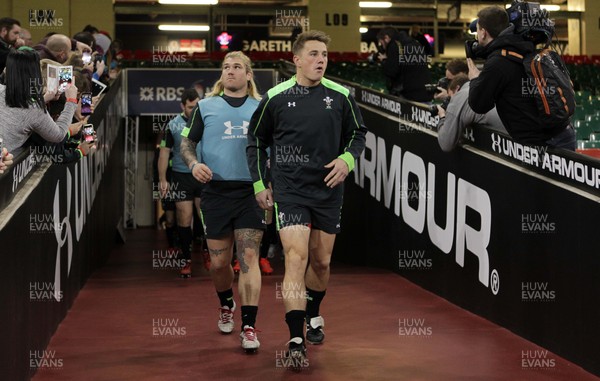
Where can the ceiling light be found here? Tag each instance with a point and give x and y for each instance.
(362, 29)
(189, 2)
(375, 4)
(183, 27)
(548, 7)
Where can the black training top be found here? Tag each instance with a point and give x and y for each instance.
(305, 128)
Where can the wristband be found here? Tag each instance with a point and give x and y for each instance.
(74, 100)
(193, 165)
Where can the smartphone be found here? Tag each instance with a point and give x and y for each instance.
(65, 77)
(86, 57)
(86, 104)
(88, 132)
(97, 58)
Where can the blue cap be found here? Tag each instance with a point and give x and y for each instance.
(473, 26)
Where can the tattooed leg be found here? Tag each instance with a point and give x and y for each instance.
(248, 244)
(221, 253)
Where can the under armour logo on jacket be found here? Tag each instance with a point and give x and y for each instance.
(291, 104)
(230, 127)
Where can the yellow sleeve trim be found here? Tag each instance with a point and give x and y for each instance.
(349, 159)
(259, 186)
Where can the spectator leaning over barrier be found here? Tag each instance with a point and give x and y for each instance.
(405, 65)
(22, 108)
(57, 47)
(82, 72)
(72, 148)
(500, 83)
(459, 115)
(9, 34)
(453, 68)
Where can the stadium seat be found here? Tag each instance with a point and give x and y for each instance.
(583, 129)
(579, 113)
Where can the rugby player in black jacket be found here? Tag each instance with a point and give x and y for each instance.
(315, 133)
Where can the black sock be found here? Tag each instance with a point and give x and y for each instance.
(249, 316)
(226, 298)
(264, 248)
(185, 238)
(313, 302)
(170, 236)
(176, 240)
(295, 322)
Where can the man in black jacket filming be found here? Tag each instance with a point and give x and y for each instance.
(504, 83)
(405, 64)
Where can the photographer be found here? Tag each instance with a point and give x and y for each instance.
(459, 115)
(453, 68)
(501, 83)
(404, 64)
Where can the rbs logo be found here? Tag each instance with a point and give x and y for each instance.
(157, 94)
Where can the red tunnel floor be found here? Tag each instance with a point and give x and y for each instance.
(133, 322)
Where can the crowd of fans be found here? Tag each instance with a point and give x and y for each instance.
(34, 114)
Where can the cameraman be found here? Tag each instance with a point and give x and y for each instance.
(453, 68)
(459, 115)
(501, 82)
(404, 64)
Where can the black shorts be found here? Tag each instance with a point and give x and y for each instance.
(322, 218)
(222, 214)
(184, 187)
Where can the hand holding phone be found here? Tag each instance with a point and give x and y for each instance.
(71, 91)
(65, 77)
(86, 57)
(86, 147)
(86, 104)
(88, 133)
